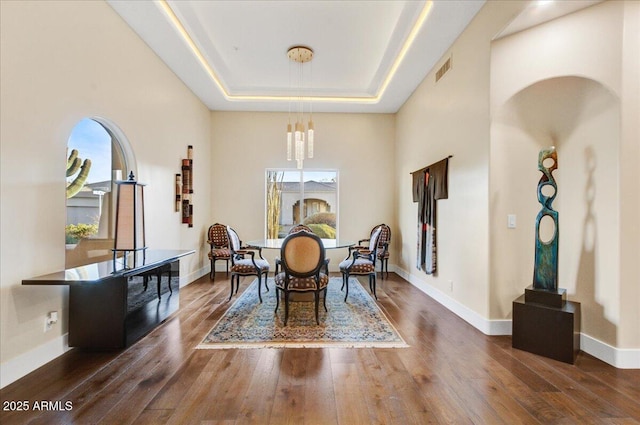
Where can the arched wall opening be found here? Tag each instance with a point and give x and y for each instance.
(581, 118)
(106, 156)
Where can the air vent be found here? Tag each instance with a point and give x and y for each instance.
(443, 69)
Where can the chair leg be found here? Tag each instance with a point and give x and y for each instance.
(346, 282)
(386, 266)
(277, 299)
(231, 295)
(372, 280)
(266, 278)
(317, 299)
(286, 307)
(259, 287)
(324, 300)
(212, 274)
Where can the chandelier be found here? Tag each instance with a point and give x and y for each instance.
(297, 133)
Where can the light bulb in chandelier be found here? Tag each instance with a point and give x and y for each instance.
(310, 132)
(299, 142)
(289, 141)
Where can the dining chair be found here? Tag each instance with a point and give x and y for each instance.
(294, 229)
(243, 266)
(302, 257)
(362, 262)
(300, 227)
(218, 240)
(382, 253)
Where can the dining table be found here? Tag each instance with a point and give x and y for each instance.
(277, 243)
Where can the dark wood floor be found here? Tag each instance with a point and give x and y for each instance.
(452, 373)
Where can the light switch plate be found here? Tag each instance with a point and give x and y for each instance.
(511, 221)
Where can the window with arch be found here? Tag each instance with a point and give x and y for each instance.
(301, 197)
(95, 159)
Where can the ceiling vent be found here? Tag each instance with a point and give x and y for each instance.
(443, 69)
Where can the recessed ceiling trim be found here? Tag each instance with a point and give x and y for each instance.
(173, 19)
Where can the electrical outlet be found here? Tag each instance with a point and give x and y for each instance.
(50, 319)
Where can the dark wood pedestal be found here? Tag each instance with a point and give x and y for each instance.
(545, 323)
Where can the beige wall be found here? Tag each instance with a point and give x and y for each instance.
(576, 77)
(61, 62)
(629, 178)
(360, 146)
(570, 96)
(451, 117)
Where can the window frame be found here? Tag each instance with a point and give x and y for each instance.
(121, 147)
(301, 197)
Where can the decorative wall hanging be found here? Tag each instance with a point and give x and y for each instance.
(178, 192)
(429, 184)
(183, 196)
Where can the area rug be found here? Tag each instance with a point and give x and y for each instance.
(357, 323)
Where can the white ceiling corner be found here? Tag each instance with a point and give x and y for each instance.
(355, 43)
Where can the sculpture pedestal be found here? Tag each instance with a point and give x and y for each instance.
(545, 323)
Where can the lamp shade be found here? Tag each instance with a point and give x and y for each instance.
(129, 232)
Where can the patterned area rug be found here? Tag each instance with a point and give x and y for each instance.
(357, 323)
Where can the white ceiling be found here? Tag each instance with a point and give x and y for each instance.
(369, 55)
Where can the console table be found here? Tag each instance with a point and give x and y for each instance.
(109, 303)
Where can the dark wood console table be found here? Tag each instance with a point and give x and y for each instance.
(110, 306)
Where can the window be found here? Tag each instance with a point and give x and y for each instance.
(302, 197)
(94, 159)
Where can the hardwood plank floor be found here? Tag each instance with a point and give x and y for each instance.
(451, 373)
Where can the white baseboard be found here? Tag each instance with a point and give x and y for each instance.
(17, 367)
(193, 276)
(617, 357)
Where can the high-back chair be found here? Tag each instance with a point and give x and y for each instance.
(382, 253)
(294, 229)
(243, 266)
(362, 263)
(302, 257)
(218, 240)
(299, 227)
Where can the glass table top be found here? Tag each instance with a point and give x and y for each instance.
(277, 243)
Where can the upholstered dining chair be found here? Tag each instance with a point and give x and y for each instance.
(302, 257)
(362, 262)
(294, 229)
(218, 240)
(383, 247)
(299, 227)
(243, 266)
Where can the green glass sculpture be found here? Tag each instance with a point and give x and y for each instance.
(545, 272)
